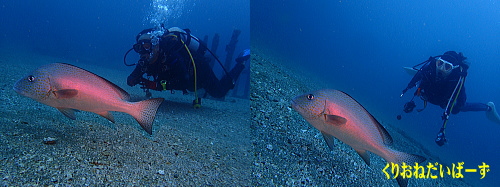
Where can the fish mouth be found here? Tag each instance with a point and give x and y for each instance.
(293, 104)
(17, 90)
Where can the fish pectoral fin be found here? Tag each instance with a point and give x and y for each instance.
(66, 93)
(364, 155)
(329, 139)
(335, 120)
(108, 116)
(68, 112)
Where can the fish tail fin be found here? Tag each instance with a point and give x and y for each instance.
(144, 113)
(409, 159)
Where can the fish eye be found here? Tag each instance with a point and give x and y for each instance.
(31, 78)
(310, 97)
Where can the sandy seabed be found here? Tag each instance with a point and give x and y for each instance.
(290, 152)
(236, 142)
(209, 146)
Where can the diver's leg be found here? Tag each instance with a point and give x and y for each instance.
(219, 88)
(215, 87)
(474, 107)
(234, 74)
(491, 111)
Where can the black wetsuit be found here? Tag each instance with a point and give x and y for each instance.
(176, 70)
(438, 91)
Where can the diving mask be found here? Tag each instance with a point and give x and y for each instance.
(445, 65)
(143, 46)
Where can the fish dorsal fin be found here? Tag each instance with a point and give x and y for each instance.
(364, 155)
(123, 94)
(68, 112)
(335, 120)
(386, 137)
(66, 93)
(329, 140)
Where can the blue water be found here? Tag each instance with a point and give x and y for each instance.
(360, 46)
(100, 32)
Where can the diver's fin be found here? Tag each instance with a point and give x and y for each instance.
(364, 155)
(329, 140)
(410, 71)
(243, 56)
(492, 114)
(68, 112)
(108, 116)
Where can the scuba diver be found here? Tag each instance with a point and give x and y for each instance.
(173, 59)
(440, 81)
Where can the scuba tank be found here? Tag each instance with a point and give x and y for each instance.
(175, 38)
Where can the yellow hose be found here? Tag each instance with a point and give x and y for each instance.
(462, 80)
(196, 104)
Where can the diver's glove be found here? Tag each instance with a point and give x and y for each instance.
(132, 81)
(147, 84)
(243, 56)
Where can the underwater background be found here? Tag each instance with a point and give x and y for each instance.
(360, 47)
(189, 147)
(100, 32)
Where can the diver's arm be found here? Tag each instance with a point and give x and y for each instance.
(135, 77)
(414, 80)
(418, 77)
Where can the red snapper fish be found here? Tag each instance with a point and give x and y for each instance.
(336, 114)
(69, 88)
